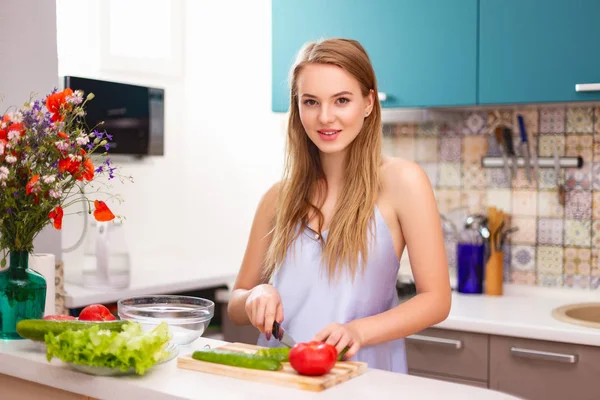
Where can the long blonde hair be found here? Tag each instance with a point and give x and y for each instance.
(304, 181)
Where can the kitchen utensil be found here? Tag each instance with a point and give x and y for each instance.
(499, 139)
(341, 372)
(494, 268)
(524, 147)
(505, 234)
(510, 149)
(186, 316)
(470, 259)
(559, 184)
(282, 335)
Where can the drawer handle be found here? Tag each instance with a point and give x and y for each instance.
(587, 87)
(382, 96)
(544, 355)
(457, 344)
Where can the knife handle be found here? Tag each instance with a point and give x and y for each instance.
(522, 128)
(508, 141)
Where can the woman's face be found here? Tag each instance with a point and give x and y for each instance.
(331, 106)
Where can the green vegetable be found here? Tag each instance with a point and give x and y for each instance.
(277, 353)
(341, 355)
(131, 348)
(237, 359)
(36, 329)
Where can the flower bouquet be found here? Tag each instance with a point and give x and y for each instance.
(45, 164)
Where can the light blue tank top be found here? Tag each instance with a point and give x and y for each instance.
(311, 302)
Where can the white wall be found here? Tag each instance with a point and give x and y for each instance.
(224, 147)
(29, 66)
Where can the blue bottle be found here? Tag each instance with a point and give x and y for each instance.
(470, 259)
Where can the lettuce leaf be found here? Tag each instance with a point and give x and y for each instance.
(130, 348)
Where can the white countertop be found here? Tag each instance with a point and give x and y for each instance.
(26, 360)
(523, 311)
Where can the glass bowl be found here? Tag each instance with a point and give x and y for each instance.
(186, 316)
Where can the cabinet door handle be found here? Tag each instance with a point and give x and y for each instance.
(587, 87)
(457, 344)
(544, 355)
(382, 96)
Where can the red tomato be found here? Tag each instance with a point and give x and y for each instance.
(313, 358)
(96, 312)
(59, 317)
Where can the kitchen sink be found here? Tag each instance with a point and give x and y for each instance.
(585, 314)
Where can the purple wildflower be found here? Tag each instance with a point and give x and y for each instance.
(89, 146)
(99, 169)
(109, 136)
(107, 147)
(9, 210)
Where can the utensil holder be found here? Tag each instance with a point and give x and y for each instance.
(494, 274)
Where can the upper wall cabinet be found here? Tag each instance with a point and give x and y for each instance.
(539, 51)
(424, 51)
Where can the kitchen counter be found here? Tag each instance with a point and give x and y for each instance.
(26, 360)
(523, 311)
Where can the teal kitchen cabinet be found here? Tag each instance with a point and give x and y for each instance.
(533, 51)
(424, 51)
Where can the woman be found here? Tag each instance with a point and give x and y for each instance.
(329, 236)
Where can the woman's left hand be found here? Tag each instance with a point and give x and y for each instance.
(340, 336)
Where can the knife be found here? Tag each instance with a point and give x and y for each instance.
(498, 134)
(508, 141)
(524, 147)
(282, 335)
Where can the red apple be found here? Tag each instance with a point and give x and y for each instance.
(96, 312)
(59, 318)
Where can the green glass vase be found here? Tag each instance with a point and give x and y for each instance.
(22, 294)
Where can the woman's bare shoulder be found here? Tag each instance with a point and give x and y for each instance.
(399, 175)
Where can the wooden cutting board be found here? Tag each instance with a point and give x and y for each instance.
(341, 372)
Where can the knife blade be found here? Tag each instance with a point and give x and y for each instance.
(524, 147)
(508, 141)
(282, 335)
(500, 141)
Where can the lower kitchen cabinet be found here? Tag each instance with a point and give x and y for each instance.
(536, 369)
(449, 355)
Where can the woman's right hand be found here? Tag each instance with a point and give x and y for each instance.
(263, 307)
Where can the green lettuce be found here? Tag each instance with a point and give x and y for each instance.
(130, 348)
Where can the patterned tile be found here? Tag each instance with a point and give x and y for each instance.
(450, 149)
(523, 258)
(474, 201)
(596, 205)
(473, 176)
(549, 280)
(550, 260)
(426, 149)
(500, 198)
(499, 117)
(493, 148)
(597, 120)
(475, 123)
(596, 234)
(552, 120)
(547, 143)
(580, 119)
(507, 262)
(578, 204)
(548, 205)
(527, 230)
(404, 129)
(578, 233)
(474, 147)
(595, 282)
(576, 281)
(496, 178)
(550, 231)
(596, 151)
(524, 202)
(577, 261)
(596, 176)
(447, 199)
(523, 277)
(595, 271)
(432, 171)
(429, 128)
(521, 182)
(388, 146)
(580, 145)
(449, 175)
(405, 147)
(578, 178)
(547, 179)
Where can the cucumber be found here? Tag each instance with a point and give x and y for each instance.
(276, 353)
(36, 329)
(342, 353)
(237, 359)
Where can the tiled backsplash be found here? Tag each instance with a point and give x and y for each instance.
(555, 245)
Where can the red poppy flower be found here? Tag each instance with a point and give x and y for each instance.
(63, 135)
(88, 170)
(55, 101)
(32, 184)
(102, 213)
(56, 216)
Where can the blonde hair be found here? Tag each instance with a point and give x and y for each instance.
(303, 177)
